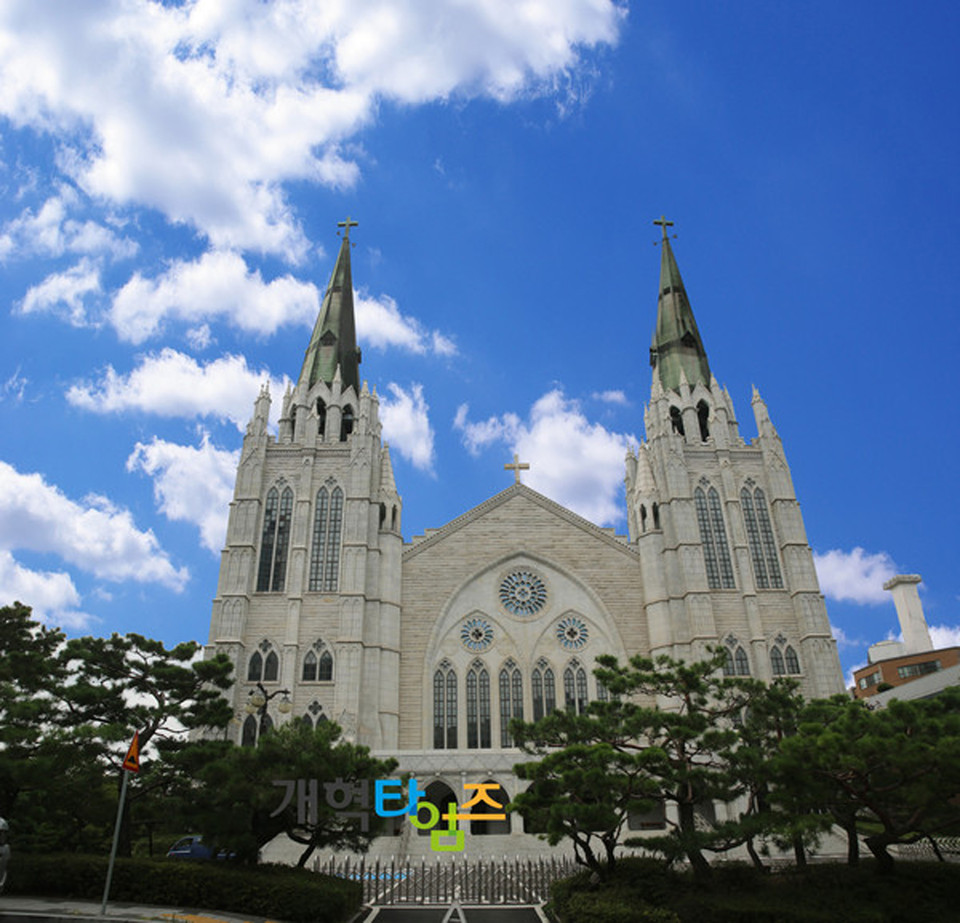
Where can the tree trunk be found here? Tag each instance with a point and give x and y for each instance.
(853, 842)
(305, 855)
(688, 836)
(755, 856)
(878, 846)
(799, 852)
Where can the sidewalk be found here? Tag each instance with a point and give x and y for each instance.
(16, 909)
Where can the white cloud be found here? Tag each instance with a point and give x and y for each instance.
(842, 639)
(380, 325)
(190, 484)
(217, 285)
(65, 293)
(945, 635)
(93, 535)
(577, 463)
(51, 595)
(854, 576)
(406, 424)
(172, 384)
(203, 110)
(611, 397)
(50, 232)
(15, 387)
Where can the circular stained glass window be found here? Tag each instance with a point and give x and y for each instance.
(476, 635)
(572, 633)
(522, 593)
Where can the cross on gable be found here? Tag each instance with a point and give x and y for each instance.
(346, 225)
(517, 467)
(662, 221)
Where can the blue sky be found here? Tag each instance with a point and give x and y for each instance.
(172, 175)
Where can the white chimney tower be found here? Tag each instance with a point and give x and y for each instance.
(916, 635)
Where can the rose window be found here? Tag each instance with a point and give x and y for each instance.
(522, 593)
(476, 635)
(572, 633)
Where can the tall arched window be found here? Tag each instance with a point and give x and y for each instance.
(271, 667)
(445, 707)
(769, 544)
(255, 668)
(249, 736)
(753, 539)
(703, 415)
(321, 416)
(511, 700)
(309, 669)
(544, 690)
(327, 530)
(793, 662)
(575, 687)
(325, 672)
(275, 540)
(676, 420)
(728, 668)
(742, 663)
(713, 536)
(776, 662)
(346, 423)
(478, 706)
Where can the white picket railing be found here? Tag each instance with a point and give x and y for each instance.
(469, 881)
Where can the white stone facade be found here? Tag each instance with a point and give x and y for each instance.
(716, 553)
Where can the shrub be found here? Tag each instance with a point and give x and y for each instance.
(274, 891)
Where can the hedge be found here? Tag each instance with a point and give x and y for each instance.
(275, 891)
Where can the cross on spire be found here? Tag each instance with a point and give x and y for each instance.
(662, 221)
(349, 223)
(517, 467)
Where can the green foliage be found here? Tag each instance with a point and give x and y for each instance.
(898, 767)
(666, 735)
(68, 710)
(737, 893)
(277, 892)
(233, 798)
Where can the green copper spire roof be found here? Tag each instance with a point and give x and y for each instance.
(676, 342)
(334, 340)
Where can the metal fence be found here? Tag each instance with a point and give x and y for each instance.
(469, 881)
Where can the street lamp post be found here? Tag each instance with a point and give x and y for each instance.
(258, 700)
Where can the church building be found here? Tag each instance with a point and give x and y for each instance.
(425, 649)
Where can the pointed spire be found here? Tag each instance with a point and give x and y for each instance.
(388, 485)
(677, 347)
(333, 345)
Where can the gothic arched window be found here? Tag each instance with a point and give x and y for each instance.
(346, 423)
(321, 416)
(445, 707)
(325, 553)
(753, 539)
(575, 688)
(713, 536)
(478, 707)
(249, 735)
(309, 669)
(793, 663)
(255, 668)
(776, 662)
(325, 671)
(703, 415)
(544, 690)
(742, 663)
(728, 667)
(769, 544)
(676, 420)
(511, 700)
(275, 540)
(271, 667)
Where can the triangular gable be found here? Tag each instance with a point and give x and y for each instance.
(516, 491)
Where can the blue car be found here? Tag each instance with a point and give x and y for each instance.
(193, 847)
